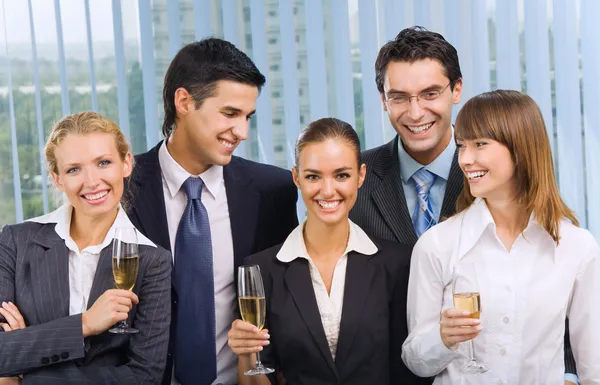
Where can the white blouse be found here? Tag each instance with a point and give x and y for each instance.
(82, 265)
(329, 304)
(526, 294)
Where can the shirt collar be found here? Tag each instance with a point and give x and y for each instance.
(62, 218)
(477, 219)
(440, 166)
(294, 246)
(175, 175)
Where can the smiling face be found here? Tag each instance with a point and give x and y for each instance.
(329, 177)
(488, 167)
(211, 132)
(424, 126)
(91, 172)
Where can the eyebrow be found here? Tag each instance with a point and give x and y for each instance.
(434, 87)
(94, 160)
(337, 170)
(237, 110)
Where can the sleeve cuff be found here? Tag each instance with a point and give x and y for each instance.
(434, 354)
(572, 377)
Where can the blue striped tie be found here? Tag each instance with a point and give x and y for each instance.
(423, 217)
(193, 280)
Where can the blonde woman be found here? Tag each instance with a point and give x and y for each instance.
(56, 286)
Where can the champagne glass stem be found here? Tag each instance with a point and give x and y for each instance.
(471, 351)
(258, 363)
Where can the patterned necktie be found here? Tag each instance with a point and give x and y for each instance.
(423, 217)
(193, 280)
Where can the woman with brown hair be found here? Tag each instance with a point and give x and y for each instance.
(534, 265)
(335, 297)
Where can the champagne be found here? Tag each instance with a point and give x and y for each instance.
(125, 271)
(469, 302)
(253, 310)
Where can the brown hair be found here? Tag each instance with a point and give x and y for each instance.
(80, 124)
(327, 128)
(514, 119)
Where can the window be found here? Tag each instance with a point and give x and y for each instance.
(277, 121)
(272, 40)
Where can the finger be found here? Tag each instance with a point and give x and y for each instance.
(453, 313)
(5, 327)
(456, 322)
(10, 319)
(240, 343)
(463, 338)
(121, 308)
(245, 326)
(123, 301)
(124, 294)
(450, 332)
(16, 313)
(244, 335)
(239, 351)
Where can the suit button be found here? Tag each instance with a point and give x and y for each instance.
(54, 358)
(64, 355)
(45, 361)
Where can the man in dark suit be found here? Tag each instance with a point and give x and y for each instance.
(211, 209)
(414, 180)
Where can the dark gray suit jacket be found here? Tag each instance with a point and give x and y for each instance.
(51, 350)
(381, 209)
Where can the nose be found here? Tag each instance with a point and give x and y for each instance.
(90, 178)
(415, 111)
(327, 188)
(466, 157)
(241, 129)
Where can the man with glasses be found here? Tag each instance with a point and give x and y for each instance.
(413, 180)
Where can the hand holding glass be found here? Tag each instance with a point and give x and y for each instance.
(465, 289)
(251, 296)
(125, 264)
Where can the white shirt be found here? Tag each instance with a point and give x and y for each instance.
(214, 199)
(526, 294)
(82, 265)
(329, 304)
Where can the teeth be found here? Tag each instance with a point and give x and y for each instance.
(476, 174)
(226, 143)
(96, 196)
(329, 205)
(418, 129)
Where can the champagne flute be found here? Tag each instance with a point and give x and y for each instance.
(465, 290)
(251, 297)
(125, 264)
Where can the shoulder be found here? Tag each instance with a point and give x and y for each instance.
(439, 239)
(22, 232)
(263, 174)
(370, 155)
(155, 252)
(576, 238)
(264, 258)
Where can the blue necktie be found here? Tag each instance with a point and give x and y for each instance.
(423, 217)
(193, 280)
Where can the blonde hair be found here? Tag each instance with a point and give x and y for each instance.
(82, 123)
(515, 120)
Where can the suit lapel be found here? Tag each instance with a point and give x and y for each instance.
(359, 276)
(389, 195)
(453, 189)
(149, 205)
(298, 281)
(243, 202)
(50, 275)
(103, 278)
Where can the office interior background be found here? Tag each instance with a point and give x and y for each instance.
(63, 56)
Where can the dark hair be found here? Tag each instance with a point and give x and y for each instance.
(327, 128)
(199, 66)
(417, 43)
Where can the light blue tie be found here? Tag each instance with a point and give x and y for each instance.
(423, 217)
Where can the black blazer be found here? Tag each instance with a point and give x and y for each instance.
(381, 209)
(262, 209)
(51, 350)
(372, 329)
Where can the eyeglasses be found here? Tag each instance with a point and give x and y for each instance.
(403, 101)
